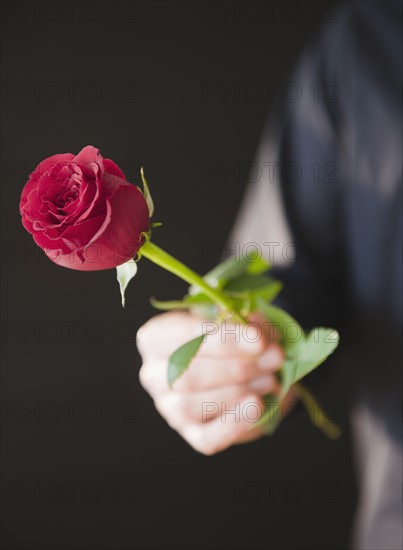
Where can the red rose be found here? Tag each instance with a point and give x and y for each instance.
(82, 212)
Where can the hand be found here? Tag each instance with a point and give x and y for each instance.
(215, 402)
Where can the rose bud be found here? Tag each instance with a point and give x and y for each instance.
(82, 212)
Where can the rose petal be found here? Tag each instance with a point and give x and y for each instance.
(113, 169)
(90, 156)
(82, 211)
(50, 162)
(124, 239)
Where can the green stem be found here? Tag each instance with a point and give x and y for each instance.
(163, 259)
(315, 411)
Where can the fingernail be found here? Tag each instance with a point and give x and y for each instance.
(251, 346)
(271, 359)
(264, 384)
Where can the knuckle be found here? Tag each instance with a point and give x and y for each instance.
(143, 337)
(196, 437)
(281, 353)
(240, 372)
(179, 407)
(164, 409)
(183, 384)
(147, 332)
(161, 406)
(173, 410)
(207, 450)
(145, 377)
(188, 381)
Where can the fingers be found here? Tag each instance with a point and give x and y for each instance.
(208, 373)
(205, 373)
(163, 334)
(201, 407)
(215, 436)
(218, 399)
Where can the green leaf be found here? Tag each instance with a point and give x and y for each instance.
(146, 193)
(248, 289)
(302, 357)
(257, 264)
(125, 274)
(313, 349)
(234, 267)
(287, 326)
(303, 352)
(180, 359)
(250, 282)
(271, 418)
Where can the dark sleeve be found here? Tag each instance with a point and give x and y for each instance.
(314, 176)
(335, 200)
(311, 186)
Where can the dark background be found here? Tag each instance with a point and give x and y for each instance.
(87, 463)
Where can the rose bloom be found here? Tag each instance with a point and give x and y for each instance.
(82, 212)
